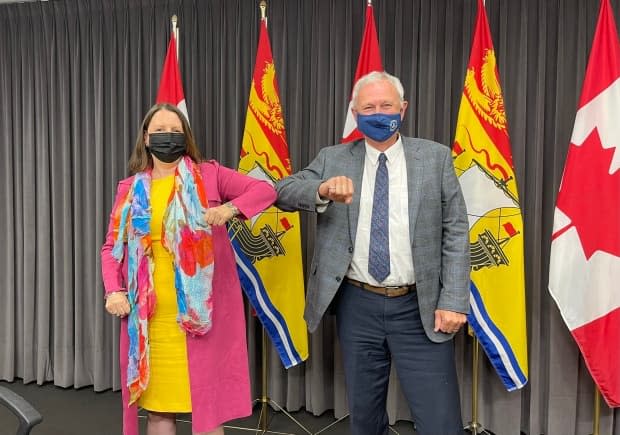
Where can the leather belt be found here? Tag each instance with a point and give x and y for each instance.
(388, 291)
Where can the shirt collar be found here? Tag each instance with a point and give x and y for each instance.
(391, 153)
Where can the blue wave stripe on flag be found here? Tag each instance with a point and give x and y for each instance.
(268, 314)
(494, 343)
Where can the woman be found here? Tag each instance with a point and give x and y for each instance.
(169, 272)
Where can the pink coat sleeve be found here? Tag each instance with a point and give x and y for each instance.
(112, 270)
(249, 195)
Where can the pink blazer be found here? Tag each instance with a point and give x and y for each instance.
(217, 361)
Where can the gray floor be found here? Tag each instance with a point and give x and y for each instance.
(84, 412)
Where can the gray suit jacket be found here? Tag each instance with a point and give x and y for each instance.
(438, 227)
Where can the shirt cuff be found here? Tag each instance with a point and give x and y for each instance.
(321, 204)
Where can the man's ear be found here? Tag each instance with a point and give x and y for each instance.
(354, 112)
(403, 109)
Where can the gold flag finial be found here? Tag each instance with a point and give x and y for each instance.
(263, 9)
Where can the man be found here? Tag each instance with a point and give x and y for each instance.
(392, 254)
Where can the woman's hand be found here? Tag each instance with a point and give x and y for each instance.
(116, 303)
(221, 214)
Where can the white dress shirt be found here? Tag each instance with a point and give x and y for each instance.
(401, 259)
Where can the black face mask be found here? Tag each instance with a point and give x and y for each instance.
(167, 147)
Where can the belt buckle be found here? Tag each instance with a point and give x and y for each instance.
(390, 287)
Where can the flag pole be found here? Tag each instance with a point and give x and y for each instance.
(474, 427)
(264, 399)
(597, 411)
(175, 32)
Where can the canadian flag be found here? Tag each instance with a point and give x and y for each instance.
(584, 271)
(368, 61)
(170, 84)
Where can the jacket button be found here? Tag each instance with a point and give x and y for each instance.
(350, 249)
(338, 278)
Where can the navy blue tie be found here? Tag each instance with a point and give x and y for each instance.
(379, 250)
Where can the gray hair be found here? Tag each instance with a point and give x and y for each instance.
(378, 76)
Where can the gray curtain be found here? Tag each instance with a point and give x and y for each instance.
(76, 78)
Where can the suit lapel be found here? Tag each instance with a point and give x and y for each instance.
(415, 175)
(355, 171)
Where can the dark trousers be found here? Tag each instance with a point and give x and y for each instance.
(374, 330)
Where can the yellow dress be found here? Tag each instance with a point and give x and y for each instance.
(168, 388)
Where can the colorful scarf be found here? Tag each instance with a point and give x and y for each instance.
(186, 234)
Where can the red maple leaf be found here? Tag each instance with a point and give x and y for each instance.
(590, 196)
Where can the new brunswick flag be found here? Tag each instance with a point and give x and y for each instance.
(268, 247)
(483, 162)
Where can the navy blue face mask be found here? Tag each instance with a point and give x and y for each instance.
(167, 147)
(378, 126)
